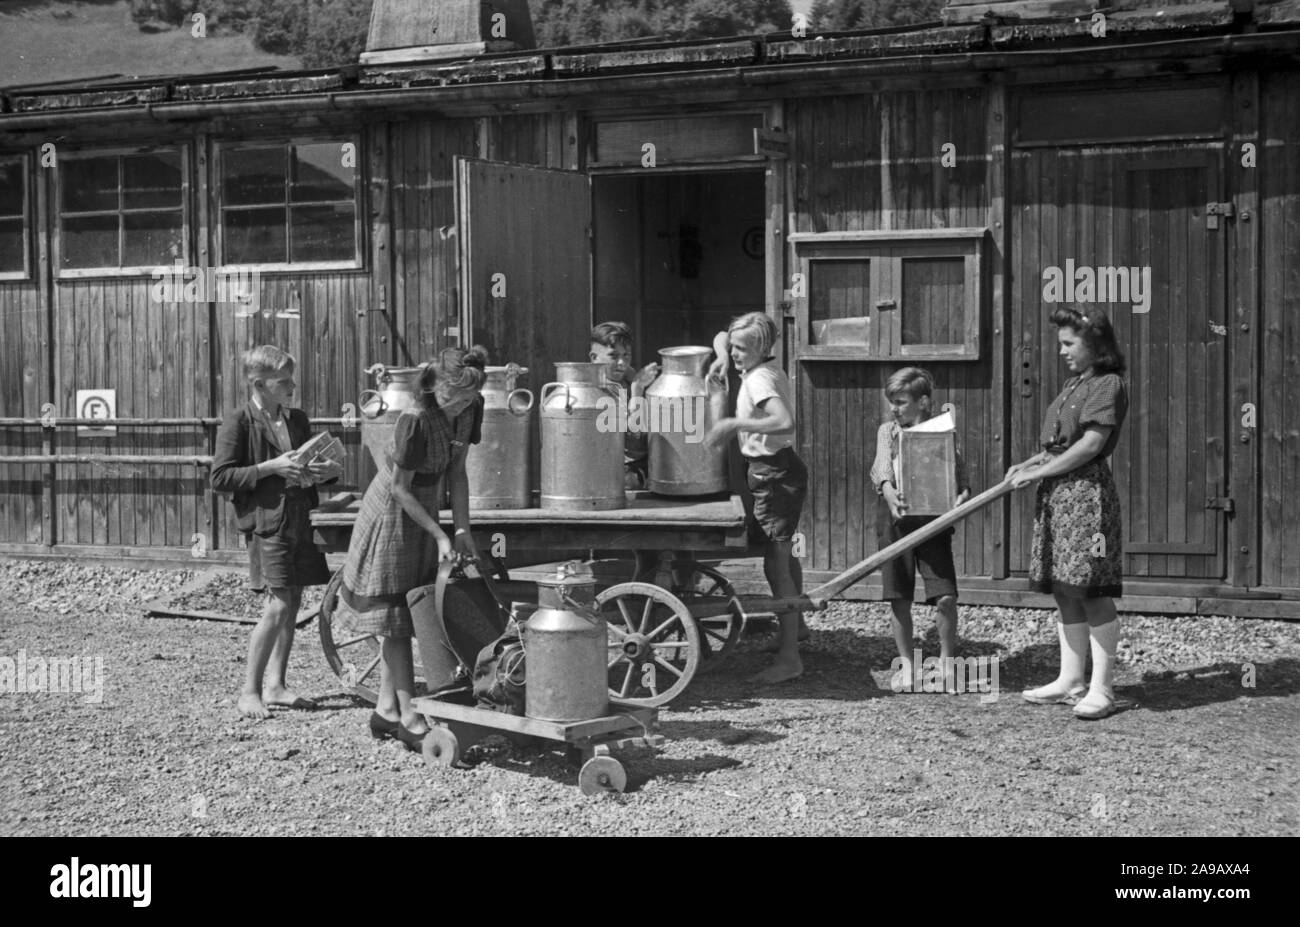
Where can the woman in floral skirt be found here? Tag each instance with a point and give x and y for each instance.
(1077, 547)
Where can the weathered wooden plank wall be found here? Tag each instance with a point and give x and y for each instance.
(1279, 398)
(872, 162)
(23, 373)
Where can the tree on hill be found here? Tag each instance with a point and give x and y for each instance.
(847, 15)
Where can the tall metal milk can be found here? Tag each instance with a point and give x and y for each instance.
(396, 391)
(582, 445)
(680, 407)
(566, 648)
(498, 465)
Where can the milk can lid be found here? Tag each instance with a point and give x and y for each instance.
(573, 573)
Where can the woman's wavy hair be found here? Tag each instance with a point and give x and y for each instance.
(1098, 335)
(458, 368)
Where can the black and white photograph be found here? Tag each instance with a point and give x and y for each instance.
(676, 418)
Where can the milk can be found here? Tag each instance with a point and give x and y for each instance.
(498, 465)
(397, 391)
(565, 645)
(582, 440)
(680, 407)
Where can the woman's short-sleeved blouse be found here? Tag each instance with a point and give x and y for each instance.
(1100, 399)
(425, 442)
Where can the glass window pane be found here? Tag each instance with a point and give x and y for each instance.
(253, 176)
(324, 233)
(89, 241)
(11, 188)
(152, 239)
(89, 184)
(933, 307)
(319, 174)
(151, 180)
(11, 246)
(838, 302)
(255, 236)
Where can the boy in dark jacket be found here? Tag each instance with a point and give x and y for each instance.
(273, 496)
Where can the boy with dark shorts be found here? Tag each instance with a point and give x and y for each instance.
(778, 479)
(910, 393)
(273, 496)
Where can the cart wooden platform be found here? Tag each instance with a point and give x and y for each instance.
(455, 728)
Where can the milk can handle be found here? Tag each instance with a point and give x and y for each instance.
(361, 401)
(513, 373)
(379, 372)
(518, 396)
(568, 397)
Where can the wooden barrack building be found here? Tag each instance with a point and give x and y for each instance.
(898, 197)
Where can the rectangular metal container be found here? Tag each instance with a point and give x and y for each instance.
(927, 471)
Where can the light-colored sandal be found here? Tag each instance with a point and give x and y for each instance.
(1072, 697)
(1095, 712)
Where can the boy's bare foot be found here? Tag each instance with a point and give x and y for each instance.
(774, 646)
(780, 671)
(283, 697)
(250, 706)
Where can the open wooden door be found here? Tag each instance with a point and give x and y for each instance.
(525, 263)
(525, 267)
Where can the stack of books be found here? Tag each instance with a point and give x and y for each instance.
(323, 447)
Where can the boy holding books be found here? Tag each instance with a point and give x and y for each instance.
(259, 460)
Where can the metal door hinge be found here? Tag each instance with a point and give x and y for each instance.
(1222, 503)
(1214, 210)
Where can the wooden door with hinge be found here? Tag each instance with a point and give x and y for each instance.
(525, 266)
(1156, 209)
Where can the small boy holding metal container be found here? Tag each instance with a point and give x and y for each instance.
(910, 393)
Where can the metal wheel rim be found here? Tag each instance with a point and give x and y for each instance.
(670, 636)
(602, 774)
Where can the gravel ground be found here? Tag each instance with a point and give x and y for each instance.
(834, 753)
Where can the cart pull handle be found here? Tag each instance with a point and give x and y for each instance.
(816, 599)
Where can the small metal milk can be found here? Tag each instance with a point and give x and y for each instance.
(582, 440)
(498, 468)
(397, 391)
(566, 648)
(680, 407)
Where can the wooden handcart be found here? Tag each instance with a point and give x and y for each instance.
(663, 628)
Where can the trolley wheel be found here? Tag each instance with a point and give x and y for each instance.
(441, 748)
(353, 654)
(601, 774)
(654, 644)
(719, 634)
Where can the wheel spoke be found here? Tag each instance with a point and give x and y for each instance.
(645, 613)
(668, 666)
(370, 669)
(662, 628)
(715, 635)
(355, 640)
(661, 645)
(716, 583)
(618, 655)
(627, 615)
(627, 681)
(615, 629)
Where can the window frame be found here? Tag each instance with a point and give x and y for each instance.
(146, 270)
(892, 248)
(24, 159)
(358, 260)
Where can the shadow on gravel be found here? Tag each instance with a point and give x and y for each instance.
(340, 701)
(1191, 687)
(719, 732)
(641, 764)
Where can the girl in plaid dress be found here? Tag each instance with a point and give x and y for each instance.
(1077, 546)
(397, 541)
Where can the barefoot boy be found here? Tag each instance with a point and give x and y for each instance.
(273, 495)
(764, 424)
(910, 392)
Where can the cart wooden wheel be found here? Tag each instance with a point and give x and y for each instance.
(441, 747)
(601, 774)
(654, 644)
(719, 633)
(352, 654)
